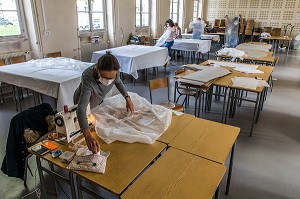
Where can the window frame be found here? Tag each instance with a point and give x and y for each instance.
(172, 10)
(141, 15)
(90, 14)
(198, 6)
(21, 17)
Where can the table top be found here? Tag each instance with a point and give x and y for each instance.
(178, 123)
(178, 175)
(207, 139)
(287, 38)
(55, 77)
(267, 58)
(125, 163)
(136, 57)
(255, 46)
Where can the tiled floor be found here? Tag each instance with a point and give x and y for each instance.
(266, 165)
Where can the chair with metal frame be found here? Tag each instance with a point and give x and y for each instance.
(164, 83)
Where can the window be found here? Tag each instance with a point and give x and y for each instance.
(91, 15)
(197, 7)
(142, 13)
(10, 20)
(174, 10)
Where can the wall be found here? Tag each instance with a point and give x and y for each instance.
(61, 24)
(274, 13)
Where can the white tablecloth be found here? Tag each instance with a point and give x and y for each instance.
(203, 37)
(136, 57)
(55, 77)
(197, 45)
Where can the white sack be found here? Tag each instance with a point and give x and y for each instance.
(146, 125)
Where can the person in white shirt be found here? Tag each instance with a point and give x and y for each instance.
(198, 28)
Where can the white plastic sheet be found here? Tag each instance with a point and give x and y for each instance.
(164, 37)
(248, 82)
(232, 52)
(146, 125)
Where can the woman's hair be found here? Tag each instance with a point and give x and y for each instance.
(108, 62)
(170, 22)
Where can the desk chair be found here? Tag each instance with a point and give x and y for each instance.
(2, 62)
(183, 90)
(54, 54)
(19, 59)
(267, 29)
(276, 32)
(164, 83)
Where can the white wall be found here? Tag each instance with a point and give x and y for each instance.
(274, 13)
(60, 21)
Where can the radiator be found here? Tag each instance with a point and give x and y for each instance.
(87, 50)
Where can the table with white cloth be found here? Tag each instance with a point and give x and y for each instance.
(203, 37)
(55, 77)
(136, 57)
(196, 45)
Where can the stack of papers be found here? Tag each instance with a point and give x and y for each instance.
(248, 82)
(245, 68)
(195, 66)
(203, 76)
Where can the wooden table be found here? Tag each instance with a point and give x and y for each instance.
(269, 59)
(178, 174)
(178, 124)
(275, 40)
(125, 163)
(210, 140)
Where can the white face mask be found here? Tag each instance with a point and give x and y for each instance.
(105, 82)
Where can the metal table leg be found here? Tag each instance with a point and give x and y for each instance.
(217, 193)
(230, 170)
(42, 180)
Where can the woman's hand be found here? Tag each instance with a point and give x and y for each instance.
(129, 105)
(91, 142)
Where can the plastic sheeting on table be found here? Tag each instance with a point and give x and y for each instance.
(232, 52)
(245, 68)
(146, 125)
(254, 47)
(55, 77)
(248, 82)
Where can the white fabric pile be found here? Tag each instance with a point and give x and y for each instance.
(146, 125)
(232, 52)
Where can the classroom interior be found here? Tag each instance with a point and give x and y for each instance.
(265, 163)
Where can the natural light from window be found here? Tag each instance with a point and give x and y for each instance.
(90, 15)
(174, 10)
(9, 18)
(142, 13)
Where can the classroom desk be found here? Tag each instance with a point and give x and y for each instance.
(226, 83)
(256, 46)
(275, 40)
(125, 163)
(268, 57)
(210, 140)
(178, 174)
(178, 123)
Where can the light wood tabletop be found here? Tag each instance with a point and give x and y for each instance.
(178, 123)
(284, 38)
(125, 163)
(207, 139)
(178, 174)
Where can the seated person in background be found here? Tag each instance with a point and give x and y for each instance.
(198, 28)
(177, 31)
(96, 82)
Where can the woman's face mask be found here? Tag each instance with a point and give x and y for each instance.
(107, 77)
(105, 81)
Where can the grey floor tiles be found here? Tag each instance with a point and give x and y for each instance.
(266, 165)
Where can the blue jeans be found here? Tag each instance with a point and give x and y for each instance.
(169, 44)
